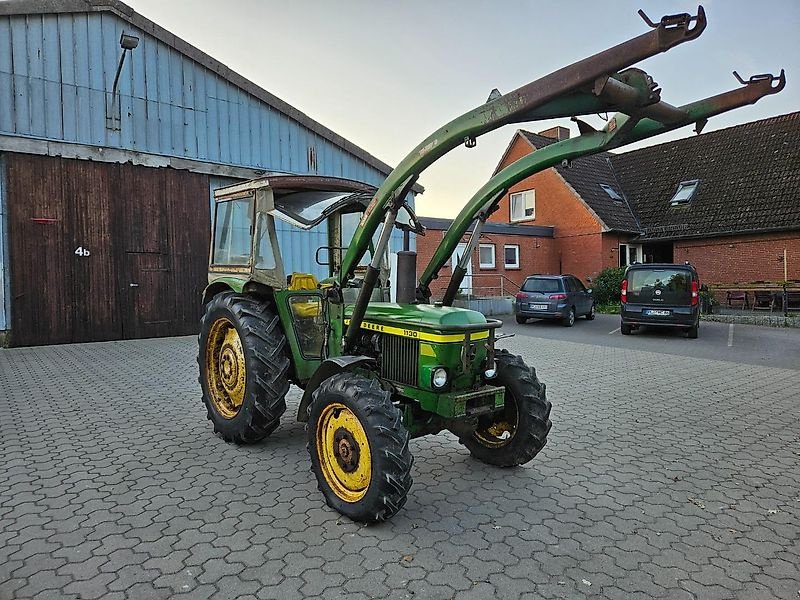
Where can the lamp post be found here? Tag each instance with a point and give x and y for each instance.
(127, 42)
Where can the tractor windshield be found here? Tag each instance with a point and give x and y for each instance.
(308, 208)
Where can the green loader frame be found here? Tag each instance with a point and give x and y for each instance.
(375, 373)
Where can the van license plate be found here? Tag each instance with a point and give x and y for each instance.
(538, 306)
(657, 313)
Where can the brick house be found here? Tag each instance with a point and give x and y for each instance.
(727, 201)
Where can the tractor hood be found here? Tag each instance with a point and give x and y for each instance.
(420, 316)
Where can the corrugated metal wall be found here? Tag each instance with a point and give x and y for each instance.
(56, 74)
(57, 71)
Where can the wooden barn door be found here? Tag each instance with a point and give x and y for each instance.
(63, 287)
(145, 269)
(39, 227)
(92, 282)
(102, 251)
(162, 228)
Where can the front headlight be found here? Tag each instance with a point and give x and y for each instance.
(439, 377)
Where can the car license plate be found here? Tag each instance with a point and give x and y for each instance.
(657, 313)
(538, 306)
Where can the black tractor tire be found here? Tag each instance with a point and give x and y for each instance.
(570, 320)
(692, 333)
(266, 366)
(591, 314)
(625, 329)
(521, 320)
(389, 476)
(526, 403)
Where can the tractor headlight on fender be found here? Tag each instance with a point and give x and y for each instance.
(439, 378)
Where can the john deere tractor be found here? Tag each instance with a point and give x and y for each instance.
(377, 366)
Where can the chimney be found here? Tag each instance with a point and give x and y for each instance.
(557, 133)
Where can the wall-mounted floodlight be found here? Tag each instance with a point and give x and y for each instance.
(127, 42)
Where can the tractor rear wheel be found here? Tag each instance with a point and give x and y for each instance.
(516, 435)
(359, 448)
(243, 367)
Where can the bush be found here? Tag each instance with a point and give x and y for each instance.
(607, 284)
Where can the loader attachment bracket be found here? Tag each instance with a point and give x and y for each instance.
(780, 79)
(677, 20)
(676, 28)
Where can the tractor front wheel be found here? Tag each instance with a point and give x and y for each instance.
(359, 448)
(243, 367)
(517, 434)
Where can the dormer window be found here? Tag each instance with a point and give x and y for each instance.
(612, 193)
(685, 192)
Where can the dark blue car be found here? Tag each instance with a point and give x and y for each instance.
(560, 297)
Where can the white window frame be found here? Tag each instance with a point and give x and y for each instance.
(624, 251)
(524, 217)
(515, 264)
(482, 264)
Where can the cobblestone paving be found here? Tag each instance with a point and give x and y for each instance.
(665, 477)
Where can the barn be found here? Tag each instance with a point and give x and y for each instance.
(113, 135)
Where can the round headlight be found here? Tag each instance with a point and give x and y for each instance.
(439, 377)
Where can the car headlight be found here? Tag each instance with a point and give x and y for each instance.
(439, 377)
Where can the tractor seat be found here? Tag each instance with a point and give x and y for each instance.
(302, 281)
(311, 308)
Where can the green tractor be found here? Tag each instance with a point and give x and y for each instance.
(378, 367)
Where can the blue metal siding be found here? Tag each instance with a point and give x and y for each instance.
(56, 74)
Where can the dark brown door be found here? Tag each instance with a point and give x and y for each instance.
(150, 303)
(41, 253)
(93, 283)
(63, 285)
(102, 251)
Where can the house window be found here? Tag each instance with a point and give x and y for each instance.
(511, 257)
(612, 193)
(685, 192)
(523, 206)
(486, 256)
(629, 254)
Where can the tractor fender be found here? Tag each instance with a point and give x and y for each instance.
(329, 367)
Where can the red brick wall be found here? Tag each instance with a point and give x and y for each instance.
(742, 259)
(536, 255)
(581, 247)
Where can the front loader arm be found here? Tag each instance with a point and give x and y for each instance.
(564, 92)
(621, 130)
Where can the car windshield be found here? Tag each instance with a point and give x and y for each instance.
(663, 286)
(541, 285)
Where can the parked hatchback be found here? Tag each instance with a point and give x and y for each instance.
(660, 295)
(561, 297)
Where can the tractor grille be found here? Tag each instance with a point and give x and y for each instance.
(399, 359)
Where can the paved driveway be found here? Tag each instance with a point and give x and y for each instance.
(665, 477)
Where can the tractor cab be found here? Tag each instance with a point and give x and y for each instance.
(246, 256)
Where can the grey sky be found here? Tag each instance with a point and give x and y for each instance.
(386, 74)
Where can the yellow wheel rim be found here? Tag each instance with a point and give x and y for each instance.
(225, 368)
(500, 432)
(343, 450)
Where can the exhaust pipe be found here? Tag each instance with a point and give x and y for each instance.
(406, 277)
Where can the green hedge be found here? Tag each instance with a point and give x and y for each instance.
(607, 284)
